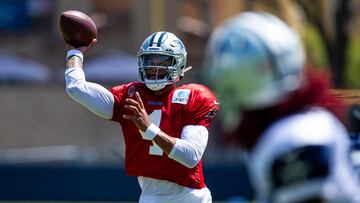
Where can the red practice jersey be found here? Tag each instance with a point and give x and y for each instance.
(191, 104)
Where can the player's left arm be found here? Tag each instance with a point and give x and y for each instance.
(188, 150)
(148, 130)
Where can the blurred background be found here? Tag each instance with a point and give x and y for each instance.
(54, 149)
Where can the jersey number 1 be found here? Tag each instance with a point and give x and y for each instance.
(155, 117)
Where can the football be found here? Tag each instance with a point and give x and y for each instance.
(77, 28)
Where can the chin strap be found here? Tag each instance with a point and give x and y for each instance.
(155, 87)
(187, 69)
(184, 71)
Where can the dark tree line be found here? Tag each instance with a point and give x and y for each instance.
(331, 18)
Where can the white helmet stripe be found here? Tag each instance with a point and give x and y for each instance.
(152, 39)
(157, 39)
(160, 39)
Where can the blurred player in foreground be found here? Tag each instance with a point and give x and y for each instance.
(354, 123)
(280, 113)
(165, 127)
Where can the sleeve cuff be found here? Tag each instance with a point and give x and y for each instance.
(74, 52)
(173, 150)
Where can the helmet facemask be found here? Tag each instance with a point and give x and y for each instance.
(157, 70)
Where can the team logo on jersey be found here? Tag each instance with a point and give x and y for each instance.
(180, 96)
(131, 91)
(211, 114)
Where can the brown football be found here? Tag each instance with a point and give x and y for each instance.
(77, 28)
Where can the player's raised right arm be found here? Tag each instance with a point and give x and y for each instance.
(93, 96)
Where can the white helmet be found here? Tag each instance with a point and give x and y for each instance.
(170, 54)
(255, 59)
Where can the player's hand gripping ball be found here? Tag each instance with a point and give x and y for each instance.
(77, 28)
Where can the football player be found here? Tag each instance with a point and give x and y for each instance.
(165, 127)
(280, 113)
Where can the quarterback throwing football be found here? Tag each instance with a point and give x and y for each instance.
(165, 127)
